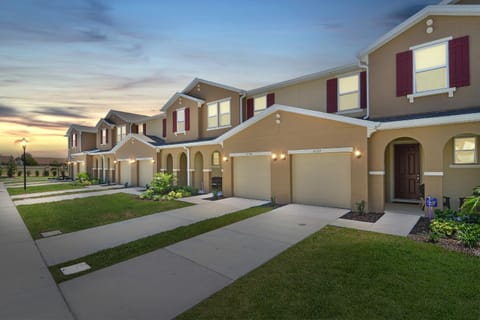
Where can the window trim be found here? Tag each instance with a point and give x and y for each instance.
(123, 133)
(475, 151)
(357, 107)
(449, 90)
(255, 112)
(74, 140)
(182, 110)
(218, 114)
(103, 136)
(140, 128)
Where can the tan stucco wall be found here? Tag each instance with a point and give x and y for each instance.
(382, 69)
(297, 132)
(133, 150)
(111, 142)
(154, 127)
(209, 94)
(432, 139)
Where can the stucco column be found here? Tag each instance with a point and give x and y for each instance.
(433, 172)
(207, 178)
(175, 176)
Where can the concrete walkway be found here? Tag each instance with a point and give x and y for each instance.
(67, 191)
(74, 245)
(27, 290)
(76, 196)
(166, 282)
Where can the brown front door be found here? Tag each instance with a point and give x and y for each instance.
(407, 171)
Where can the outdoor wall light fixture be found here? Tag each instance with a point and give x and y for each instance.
(132, 160)
(153, 160)
(114, 161)
(357, 154)
(283, 156)
(225, 159)
(274, 156)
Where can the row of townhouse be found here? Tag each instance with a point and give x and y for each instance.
(403, 119)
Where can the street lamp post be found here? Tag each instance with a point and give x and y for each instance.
(24, 145)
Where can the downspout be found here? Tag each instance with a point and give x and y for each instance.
(188, 165)
(365, 66)
(103, 167)
(242, 96)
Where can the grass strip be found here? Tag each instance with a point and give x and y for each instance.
(44, 188)
(83, 213)
(64, 193)
(108, 257)
(350, 274)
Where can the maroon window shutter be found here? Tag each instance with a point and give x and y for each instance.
(187, 119)
(249, 108)
(164, 128)
(174, 120)
(106, 135)
(145, 129)
(459, 62)
(76, 140)
(270, 99)
(404, 73)
(363, 89)
(135, 128)
(332, 97)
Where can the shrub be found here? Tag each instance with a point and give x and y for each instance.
(470, 209)
(83, 176)
(19, 173)
(46, 173)
(444, 228)
(361, 207)
(446, 214)
(54, 173)
(469, 235)
(29, 173)
(161, 183)
(1, 171)
(37, 173)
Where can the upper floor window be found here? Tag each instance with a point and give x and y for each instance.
(219, 114)
(74, 140)
(430, 67)
(181, 120)
(103, 137)
(259, 104)
(121, 132)
(349, 93)
(465, 150)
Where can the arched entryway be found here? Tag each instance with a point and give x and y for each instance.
(182, 173)
(403, 171)
(216, 173)
(198, 173)
(169, 164)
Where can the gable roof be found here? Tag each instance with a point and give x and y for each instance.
(308, 77)
(181, 95)
(196, 81)
(80, 129)
(104, 121)
(127, 116)
(439, 10)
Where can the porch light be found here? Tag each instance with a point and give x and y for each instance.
(114, 161)
(274, 156)
(283, 156)
(153, 160)
(225, 159)
(132, 160)
(357, 154)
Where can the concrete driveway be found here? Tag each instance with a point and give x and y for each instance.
(166, 282)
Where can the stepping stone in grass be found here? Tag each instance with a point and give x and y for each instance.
(51, 233)
(79, 267)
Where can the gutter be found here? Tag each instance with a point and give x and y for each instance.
(242, 96)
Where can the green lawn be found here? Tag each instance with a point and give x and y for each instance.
(349, 274)
(44, 188)
(7, 180)
(78, 214)
(108, 257)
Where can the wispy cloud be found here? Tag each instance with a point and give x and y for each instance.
(71, 112)
(8, 112)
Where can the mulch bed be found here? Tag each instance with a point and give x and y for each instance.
(420, 233)
(365, 217)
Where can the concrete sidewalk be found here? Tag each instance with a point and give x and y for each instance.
(166, 282)
(67, 191)
(27, 290)
(76, 196)
(74, 245)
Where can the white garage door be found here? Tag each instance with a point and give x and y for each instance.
(145, 175)
(251, 177)
(125, 174)
(322, 179)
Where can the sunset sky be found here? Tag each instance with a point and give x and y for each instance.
(64, 62)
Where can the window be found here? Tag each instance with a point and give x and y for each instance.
(181, 120)
(216, 158)
(430, 67)
(219, 114)
(121, 132)
(259, 104)
(74, 140)
(103, 138)
(465, 150)
(140, 128)
(348, 93)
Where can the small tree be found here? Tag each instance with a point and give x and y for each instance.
(46, 173)
(11, 167)
(19, 173)
(37, 173)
